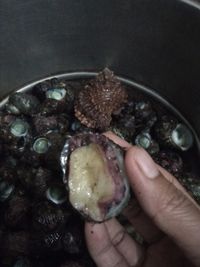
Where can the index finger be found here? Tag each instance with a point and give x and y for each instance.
(134, 213)
(117, 140)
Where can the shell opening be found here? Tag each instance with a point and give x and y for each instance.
(41, 145)
(182, 137)
(57, 93)
(12, 109)
(19, 128)
(143, 140)
(5, 190)
(56, 194)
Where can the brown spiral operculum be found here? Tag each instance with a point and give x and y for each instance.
(100, 98)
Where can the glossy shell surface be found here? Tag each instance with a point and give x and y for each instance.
(98, 189)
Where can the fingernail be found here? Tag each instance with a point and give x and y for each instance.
(146, 164)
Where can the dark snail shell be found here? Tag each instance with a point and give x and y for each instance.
(48, 218)
(127, 109)
(72, 239)
(16, 244)
(56, 194)
(16, 215)
(35, 153)
(13, 128)
(51, 241)
(192, 184)
(94, 175)
(77, 127)
(174, 134)
(56, 143)
(8, 178)
(145, 141)
(35, 180)
(122, 132)
(143, 109)
(128, 123)
(8, 169)
(45, 150)
(41, 145)
(169, 160)
(51, 106)
(133, 118)
(41, 181)
(6, 119)
(23, 103)
(68, 239)
(1, 148)
(6, 189)
(23, 262)
(123, 121)
(145, 116)
(45, 124)
(99, 100)
(16, 134)
(58, 99)
(39, 90)
(40, 207)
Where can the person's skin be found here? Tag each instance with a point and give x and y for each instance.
(169, 220)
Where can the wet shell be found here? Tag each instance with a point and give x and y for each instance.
(52, 157)
(36, 152)
(22, 103)
(72, 240)
(169, 160)
(58, 99)
(173, 134)
(23, 262)
(45, 150)
(8, 169)
(124, 122)
(40, 224)
(94, 175)
(6, 189)
(44, 124)
(52, 241)
(103, 96)
(16, 244)
(15, 134)
(122, 132)
(56, 194)
(48, 218)
(192, 184)
(145, 141)
(77, 127)
(35, 180)
(40, 89)
(143, 110)
(16, 215)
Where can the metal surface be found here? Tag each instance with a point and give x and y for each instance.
(155, 43)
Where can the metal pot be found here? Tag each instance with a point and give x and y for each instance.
(155, 43)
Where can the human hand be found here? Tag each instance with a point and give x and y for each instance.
(169, 220)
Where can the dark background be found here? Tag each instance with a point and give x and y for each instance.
(155, 43)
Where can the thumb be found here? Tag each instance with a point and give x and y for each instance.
(165, 202)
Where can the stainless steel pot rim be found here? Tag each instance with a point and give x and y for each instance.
(194, 3)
